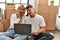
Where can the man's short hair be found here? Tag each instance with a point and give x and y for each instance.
(29, 6)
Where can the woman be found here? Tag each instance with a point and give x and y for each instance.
(17, 17)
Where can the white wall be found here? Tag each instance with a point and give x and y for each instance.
(56, 2)
(32, 2)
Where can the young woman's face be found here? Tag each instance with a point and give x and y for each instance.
(22, 11)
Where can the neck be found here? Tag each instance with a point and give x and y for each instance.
(32, 16)
(21, 16)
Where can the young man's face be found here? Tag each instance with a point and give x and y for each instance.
(30, 11)
(22, 11)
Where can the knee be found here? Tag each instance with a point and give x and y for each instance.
(10, 39)
(50, 35)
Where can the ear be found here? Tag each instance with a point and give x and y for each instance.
(33, 8)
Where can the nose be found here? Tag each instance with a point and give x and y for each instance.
(20, 10)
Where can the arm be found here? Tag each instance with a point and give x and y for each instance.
(42, 29)
(14, 19)
(42, 25)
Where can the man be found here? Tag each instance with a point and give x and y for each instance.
(17, 17)
(37, 22)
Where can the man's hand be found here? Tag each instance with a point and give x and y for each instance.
(35, 32)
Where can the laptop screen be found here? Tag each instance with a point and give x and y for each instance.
(22, 28)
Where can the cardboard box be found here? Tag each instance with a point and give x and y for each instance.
(49, 14)
(8, 13)
(10, 6)
(1, 27)
(6, 24)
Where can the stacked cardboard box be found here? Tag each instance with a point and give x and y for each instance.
(1, 27)
(52, 11)
(40, 3)
(9, 9)
(10, 6)
(4, 24)
(48, 12)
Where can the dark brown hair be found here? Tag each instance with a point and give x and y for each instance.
(29, 6)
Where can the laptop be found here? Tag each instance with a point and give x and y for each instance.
(22, 28)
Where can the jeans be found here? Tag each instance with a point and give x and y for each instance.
(10, 34)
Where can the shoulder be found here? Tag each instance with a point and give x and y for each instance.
(13, 15)
(39, 16)
(25, 17)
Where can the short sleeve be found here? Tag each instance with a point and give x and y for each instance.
(42, 22)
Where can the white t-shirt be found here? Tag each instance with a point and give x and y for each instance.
(36, 22)
(14, 19)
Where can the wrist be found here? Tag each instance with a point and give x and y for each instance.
(39, 31)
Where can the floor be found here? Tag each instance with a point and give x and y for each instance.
(56, 35)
